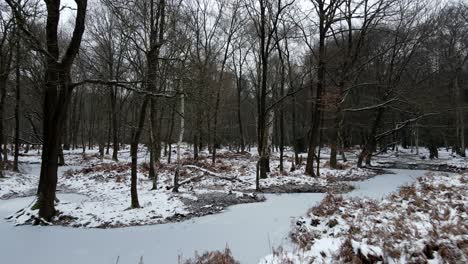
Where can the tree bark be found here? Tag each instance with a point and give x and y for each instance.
(134, 152)
(179, 141)
(57, 95)
(369, 147)
(169, 135)
(115, 125)
(460, 115)
(3, 79)
(239, 113)
(262, 164)
(315, 128)
(17, 101)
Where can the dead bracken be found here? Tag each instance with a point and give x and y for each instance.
(423, 221)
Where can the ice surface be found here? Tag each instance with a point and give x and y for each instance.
(383, 185)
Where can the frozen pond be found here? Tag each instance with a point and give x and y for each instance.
(250, 230)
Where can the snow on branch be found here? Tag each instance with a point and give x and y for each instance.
(402, 125)
(371, 107)
(128, 85)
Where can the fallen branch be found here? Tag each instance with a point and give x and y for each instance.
(206, 173)
(186, 181)
(214, 174)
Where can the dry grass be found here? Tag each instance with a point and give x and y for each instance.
(339, 166)
(107, 168)
(280, 256)
(213, 257)
(328, 206)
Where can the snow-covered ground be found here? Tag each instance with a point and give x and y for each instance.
(106, 186)
(95, 192)
(250, 231)
(426, 222)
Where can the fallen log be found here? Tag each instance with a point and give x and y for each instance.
(206, 173)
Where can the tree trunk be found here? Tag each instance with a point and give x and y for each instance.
(57, 97)
(281, 110)
(319, 148)
(61, 158)
(153, 144)
(294, 131)
(133, 182)
(333, 146)
(153, 171)
(369, 147)
(2, 107)
(109, 131)
(195, 147)
(17, 104)
(179, 141)
(134, 152)
(262, 109)
(315, 129)
(416, 139)
(218, 92)
(239, 114)
(169, 136)
(75, 119)
(115, 125)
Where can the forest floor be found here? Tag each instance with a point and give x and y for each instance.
(447, 160)
(208, 188)
(426, 222)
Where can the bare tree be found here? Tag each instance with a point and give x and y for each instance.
(6, 52)
(17, 95)
(232, 27)
(326, 13)
(349, 39)
(58, 88)
(266, 19)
